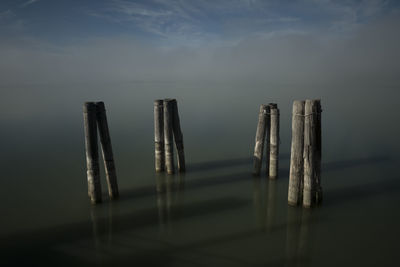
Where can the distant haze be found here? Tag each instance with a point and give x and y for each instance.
(55, 56)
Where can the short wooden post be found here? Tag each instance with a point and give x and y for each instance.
(159, 136)
(274, 142)
(296, 156)
(318, 187)
(108, 158)
(262, 126)
(176, 127)
(310, 141)
(168, 136)
(92, 155)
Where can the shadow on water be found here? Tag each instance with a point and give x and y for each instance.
(243, 176)
(219, 164)
(37, 246)
(189, 185)
(344, 164)
(34, 245)
(346, 194)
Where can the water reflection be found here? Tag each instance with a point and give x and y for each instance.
(169, 198)
(298, 236)
(271, 203)
(264, 197)
(102, 224)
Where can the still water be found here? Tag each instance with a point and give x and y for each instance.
(217, 214)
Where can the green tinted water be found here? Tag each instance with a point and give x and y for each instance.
(216, 214)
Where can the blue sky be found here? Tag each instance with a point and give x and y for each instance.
(190, 22)
(48, 41)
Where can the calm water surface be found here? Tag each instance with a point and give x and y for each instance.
(216, 214)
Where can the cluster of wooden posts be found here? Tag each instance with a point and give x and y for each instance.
(167, 128)
(305, 160)
(94, 115)
(267, 134)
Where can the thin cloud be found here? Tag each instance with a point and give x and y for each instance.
(238, 19)
(28, 3)
(7, 14)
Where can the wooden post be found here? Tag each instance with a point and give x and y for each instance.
(92, 155)
(296, 156)
(274, 142)
(176, 127)
(267, 141)
(263, 124)
(310, 140)
(318, 187)
(108, 158)
(159, 136)
(168, 136)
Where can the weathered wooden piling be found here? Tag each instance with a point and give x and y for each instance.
(159, 136)
(108, 158)
(92, 154)
(262, 126)
(318, 186)
(267, 141)
(178, 136)
(274, 142)
(309, 153)
(168, 136)
(296, 157)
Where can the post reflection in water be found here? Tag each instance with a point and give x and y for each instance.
(264, 197)
(102, 228)
(298, 236)
(95, 226)
(271, 202)
(258, 203)
(160, 189)
(102, 224)
(169, 190)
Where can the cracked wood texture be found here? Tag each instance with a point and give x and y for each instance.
(296, 155)
(159, 156)
(106, 148)
(318, 186)
(262, 126)
(176, 127)
(274, 142)
(92, 155)
(310, 152)
(168, 136)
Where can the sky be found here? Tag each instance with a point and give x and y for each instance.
(217, 58)
(57, 41)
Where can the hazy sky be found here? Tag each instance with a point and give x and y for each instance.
(218, 58)
(46, 41)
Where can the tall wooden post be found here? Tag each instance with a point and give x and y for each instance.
(262, 126)
(267, 141)
(310, 140)
(159, 136)
(108, 158)
(318, 187)
(296, 156)
(92, 155)
(274, 142)
(168, 136)
(176, 127)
